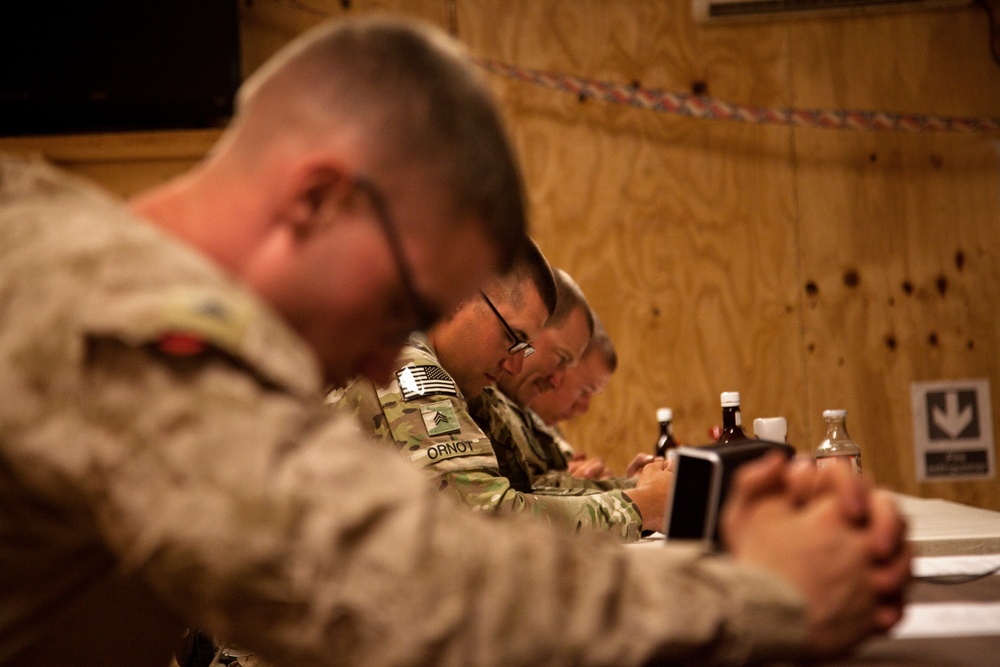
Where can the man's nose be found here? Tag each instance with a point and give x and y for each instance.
(557, 378)
(582, 405)
(513, 363)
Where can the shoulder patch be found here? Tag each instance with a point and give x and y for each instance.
(419, 381)
(222, 322)
(181, 345)
(440, 418)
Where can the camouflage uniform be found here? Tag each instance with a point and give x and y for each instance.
(425, 414)
(165, 455)
(514, 428)
(557, 436)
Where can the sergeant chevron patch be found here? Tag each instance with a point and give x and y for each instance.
(440, 418)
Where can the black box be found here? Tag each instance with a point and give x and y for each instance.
(701, 481)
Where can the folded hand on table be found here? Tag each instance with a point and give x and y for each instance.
(652, 489)
(840, 543)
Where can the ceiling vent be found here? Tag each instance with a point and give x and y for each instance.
(717, 11)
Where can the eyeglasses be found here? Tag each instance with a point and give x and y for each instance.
(425, 312)
(519, 344)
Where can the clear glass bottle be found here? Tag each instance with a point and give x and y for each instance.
(732, 419)
(665, 442)
(837, 446)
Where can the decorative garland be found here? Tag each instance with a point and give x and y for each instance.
(697, 106)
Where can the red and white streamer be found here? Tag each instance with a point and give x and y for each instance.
(698, 106)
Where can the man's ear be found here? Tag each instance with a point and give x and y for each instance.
(317, 195)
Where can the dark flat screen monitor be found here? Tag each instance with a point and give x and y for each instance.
(117, 65)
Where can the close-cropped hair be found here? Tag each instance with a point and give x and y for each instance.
(529, 267)
(569, 297)
(600, 343)
(399, 91)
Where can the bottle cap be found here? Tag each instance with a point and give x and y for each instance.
(664, 415)
(834, 414)
(730, 399)
(774, 429)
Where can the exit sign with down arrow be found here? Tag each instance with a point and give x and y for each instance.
(952, 430)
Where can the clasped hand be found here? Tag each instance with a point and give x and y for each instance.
(839, 542)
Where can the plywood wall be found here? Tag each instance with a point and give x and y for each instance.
(806, 268)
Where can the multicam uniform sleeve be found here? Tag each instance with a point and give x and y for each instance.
(519, 435)
(557, 476)
(551, 441)
(561, 479)
(561, 442)
(425, 414)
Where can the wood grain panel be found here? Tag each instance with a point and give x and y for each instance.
(900, 234)
(126, 162)
(640, 208)
(675, 228)
(267, 25)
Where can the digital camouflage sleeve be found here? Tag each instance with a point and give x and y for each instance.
(520, 435)
(427, 417)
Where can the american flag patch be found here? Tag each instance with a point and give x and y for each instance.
(420, 381)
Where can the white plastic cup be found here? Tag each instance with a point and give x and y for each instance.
(770, 428)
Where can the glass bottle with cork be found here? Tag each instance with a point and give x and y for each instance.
(665, 442)
(837, 446)
(732, 419)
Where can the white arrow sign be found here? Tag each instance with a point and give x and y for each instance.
(952, 421)
(952, 430)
